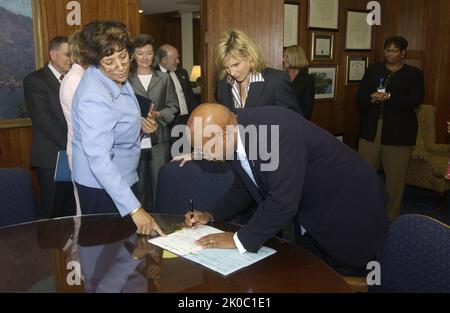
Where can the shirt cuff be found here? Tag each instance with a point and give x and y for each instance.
(238, 244)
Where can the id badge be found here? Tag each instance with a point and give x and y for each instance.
(146, 142)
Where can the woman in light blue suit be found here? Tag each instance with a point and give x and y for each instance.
(107, 124)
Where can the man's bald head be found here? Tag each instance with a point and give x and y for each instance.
(213, 122)
(168, 57)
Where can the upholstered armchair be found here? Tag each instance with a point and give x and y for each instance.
(429, 160)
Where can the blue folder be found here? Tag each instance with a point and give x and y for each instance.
(62, 170)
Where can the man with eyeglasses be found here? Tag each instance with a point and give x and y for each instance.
(49, 129)
(388, 96)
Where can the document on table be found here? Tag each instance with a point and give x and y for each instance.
(183, 242)
(223, 261)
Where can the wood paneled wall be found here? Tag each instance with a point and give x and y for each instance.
(166, 28)
(339, 116)
(15, 142)
(54, 13)
(426, 25)
(261, 19)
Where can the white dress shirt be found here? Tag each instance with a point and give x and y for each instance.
(238, 103)
(242, 157)
(55, 72)
(179, 91)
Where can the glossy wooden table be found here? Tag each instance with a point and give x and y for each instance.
(48, 256)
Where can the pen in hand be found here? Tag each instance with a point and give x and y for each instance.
(191, 212)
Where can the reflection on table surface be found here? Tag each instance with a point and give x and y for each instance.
(103, 254)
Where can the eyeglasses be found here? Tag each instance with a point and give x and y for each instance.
(391, 51)
(116, 63)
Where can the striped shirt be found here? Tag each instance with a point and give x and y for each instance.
(238, 103)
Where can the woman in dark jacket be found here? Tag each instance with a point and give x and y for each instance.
(303, 84)
(245, 79)
(388, 97)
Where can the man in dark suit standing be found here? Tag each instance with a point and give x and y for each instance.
(168, 60)
(299, 172)
(49, 129)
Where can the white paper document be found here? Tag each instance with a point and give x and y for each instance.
(183, 242)
(223, 261)
(227, 261)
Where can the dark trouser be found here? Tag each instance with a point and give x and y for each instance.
(308, 243)
(150, 161)
(56, 198)
(96, 201)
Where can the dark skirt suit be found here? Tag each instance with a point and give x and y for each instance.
(275, 90)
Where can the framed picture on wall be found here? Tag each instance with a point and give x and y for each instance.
(322, 46)
(291, 23)
(326, 78)
(21, 49)
(356, 68)
(323, 14)
(358, 33)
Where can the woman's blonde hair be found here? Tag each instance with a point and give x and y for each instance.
(238, 45)
(297, 58)
(74, 48)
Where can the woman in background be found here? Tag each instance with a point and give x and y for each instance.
(388, 97)
(70, 84)
(303, 84)
(157, 87)
(106, 129)
(246, 82)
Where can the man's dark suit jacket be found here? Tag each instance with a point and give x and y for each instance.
(320, 182)
(49, 125)
(304, 88)
(274, 91)
(185, 83)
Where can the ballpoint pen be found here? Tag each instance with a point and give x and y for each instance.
(192, 210)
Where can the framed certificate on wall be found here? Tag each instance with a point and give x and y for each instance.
(356, 68)
(291, 22)
(322, 46)
(358, 32)
(323, 14)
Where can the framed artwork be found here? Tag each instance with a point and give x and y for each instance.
(326, 78)
(356, 68)
(291, 23)
(358, 33)
(322, 46)
(21, 49)
(323, 14)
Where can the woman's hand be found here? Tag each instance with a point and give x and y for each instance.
(145, 223)
(148, 125)
(155, 115)
(379, 97)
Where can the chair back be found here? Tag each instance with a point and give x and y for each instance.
(16, 197)
(427, 125)
(416, 256)
(202, 181)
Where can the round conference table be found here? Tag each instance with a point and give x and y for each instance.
(102, 253)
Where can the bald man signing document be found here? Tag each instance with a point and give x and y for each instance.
(292, 169)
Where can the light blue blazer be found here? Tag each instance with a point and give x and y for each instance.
(106, 144)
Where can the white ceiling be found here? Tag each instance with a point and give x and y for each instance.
(163, 6)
